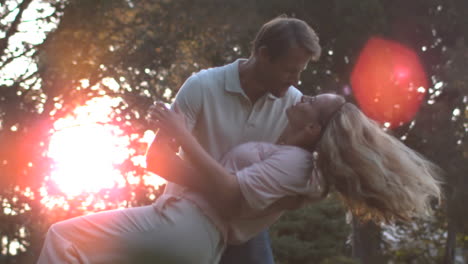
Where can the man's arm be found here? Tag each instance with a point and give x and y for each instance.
(189, 101)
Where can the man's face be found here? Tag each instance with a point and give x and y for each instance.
(285, 71)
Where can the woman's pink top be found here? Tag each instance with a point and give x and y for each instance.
(266, 173)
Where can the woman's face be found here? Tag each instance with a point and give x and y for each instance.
(305, 111)
(315, 110)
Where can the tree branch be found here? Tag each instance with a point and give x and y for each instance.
(8, 60)
(14, 26)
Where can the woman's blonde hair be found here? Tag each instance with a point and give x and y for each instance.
(376, 175)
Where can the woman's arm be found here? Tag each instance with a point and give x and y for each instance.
(161, 158)
(209, 177)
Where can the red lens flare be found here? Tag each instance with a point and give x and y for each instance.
(389, 82)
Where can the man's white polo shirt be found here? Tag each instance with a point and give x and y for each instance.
(221, 117)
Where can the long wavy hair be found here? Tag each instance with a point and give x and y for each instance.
(376, 175)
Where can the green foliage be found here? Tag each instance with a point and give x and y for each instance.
(419, 242)
(150, 47)
(312, 234)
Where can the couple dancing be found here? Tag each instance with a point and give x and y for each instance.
(253, 147)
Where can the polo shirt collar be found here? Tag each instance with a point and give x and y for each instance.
(233, 84)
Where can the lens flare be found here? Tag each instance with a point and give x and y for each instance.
(389, 82)
(85, 150)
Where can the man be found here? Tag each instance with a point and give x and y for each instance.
(245, 101)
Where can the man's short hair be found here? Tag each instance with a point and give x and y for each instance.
(282, 33)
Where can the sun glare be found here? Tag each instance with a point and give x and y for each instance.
(85, 149)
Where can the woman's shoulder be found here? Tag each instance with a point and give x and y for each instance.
(244, 155)
(250, 150)
(269, 148)
(253, 146)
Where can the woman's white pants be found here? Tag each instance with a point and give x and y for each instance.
(176, 232)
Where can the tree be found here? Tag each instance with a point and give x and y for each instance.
(146, 49)
(313, 234)
(21, 151)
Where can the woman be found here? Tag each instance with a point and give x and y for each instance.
(376, 176)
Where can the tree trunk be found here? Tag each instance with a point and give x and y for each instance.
(450, 245)
(366, 242)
